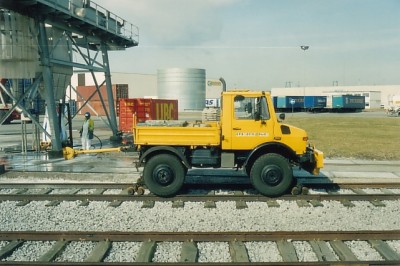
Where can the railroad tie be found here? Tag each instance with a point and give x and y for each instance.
(273, 204)
(22, 202)
(240, 204)
(238, 252)
(99, 251)
(384, 249)
(343, 251)
(146, 251)
(375, 202)
(316, 203)
(57, 202)
(189, 252)
(322, 251)
(287, 251)
(43, 191)
(117, 203)
(347, 203)
(98, 191)
(303, 203)
(178, 204)
(10, 247)
(148, 204)
(55, 250)
(210, 203)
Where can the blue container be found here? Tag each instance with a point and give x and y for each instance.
(72, 107)
(348, 102)
(289, 102)
(314, 102)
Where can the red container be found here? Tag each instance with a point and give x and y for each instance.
(145, 109)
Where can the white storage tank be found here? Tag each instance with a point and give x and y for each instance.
(187, 85)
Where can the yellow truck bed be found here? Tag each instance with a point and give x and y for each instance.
(175, 133)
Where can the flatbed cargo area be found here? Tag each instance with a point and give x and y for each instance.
(177, 133)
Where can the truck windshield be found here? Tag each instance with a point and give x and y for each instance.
(250, 108)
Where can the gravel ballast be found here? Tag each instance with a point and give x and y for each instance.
(98, 216)
(193, 217)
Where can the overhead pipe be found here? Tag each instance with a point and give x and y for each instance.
(223, 83)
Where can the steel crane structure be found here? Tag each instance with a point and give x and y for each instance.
(45, 40)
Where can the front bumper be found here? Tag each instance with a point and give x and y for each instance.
(312, 161)
(319, 160)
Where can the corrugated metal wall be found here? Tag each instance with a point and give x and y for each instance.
(187, 85)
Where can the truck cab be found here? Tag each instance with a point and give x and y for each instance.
(248, 136)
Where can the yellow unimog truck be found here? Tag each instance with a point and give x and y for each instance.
(248, 136)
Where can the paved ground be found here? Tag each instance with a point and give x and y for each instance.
(120, 166)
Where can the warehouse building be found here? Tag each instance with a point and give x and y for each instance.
(145, 86)
(375, 96)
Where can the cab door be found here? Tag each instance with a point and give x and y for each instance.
(251, 122)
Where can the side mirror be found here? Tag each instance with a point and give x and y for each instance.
(282, 117)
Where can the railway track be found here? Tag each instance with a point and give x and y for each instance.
(159, 248)
(117, 193)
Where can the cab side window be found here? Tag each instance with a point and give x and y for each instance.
(245, 108)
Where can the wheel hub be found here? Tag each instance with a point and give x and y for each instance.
(271, 175)
(163, 175)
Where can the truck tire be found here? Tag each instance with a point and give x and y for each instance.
(271, 175)
(164, 175)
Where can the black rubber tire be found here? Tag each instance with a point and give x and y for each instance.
(271, 175)
(164, 175)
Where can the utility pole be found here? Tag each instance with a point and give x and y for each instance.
(304, 48)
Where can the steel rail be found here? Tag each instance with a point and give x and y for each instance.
(82, 185)
(87, 185)
(200, 236)
(238, 252)
(196, 198)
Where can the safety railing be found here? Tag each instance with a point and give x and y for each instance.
(96, 15)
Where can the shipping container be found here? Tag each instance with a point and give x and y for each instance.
(118, 91)
(145, 109)
(72, 107)
(348, 102)
(312, 103)
(290, 102)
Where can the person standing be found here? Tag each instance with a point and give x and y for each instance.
(87, 132)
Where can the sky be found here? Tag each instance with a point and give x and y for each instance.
(255, 44)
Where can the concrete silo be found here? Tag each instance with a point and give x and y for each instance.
(187, 85)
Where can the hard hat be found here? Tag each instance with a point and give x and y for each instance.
(87, 114)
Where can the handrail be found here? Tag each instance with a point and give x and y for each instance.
(96, 15)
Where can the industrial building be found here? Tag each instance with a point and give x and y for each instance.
(146, 86)
(375, 96)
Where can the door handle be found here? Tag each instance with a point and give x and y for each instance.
(236, 128)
